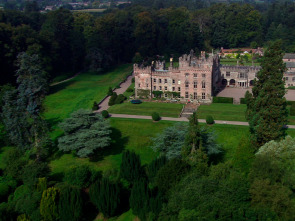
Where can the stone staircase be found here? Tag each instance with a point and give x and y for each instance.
(189, 109)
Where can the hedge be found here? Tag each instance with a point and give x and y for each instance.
(290, 102)
(228, 100)
(292, 109)
(243, 100)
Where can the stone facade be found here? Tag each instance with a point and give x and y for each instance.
(195, 79)
(198, 78)
(238, 76)
(289, 76)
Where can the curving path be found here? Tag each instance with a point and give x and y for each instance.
(68, 79)
(184, 119)
(123, 87)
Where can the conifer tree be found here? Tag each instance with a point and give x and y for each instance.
(105, 195)
(48, 204)
(70, 204)
(266, 106)
(131, 169)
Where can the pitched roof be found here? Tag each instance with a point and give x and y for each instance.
(290, 64)
(289, 56)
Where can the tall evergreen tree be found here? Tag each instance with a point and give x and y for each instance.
(23, 106)
(131, 169)
(70, 204)
(105, 195)
(266, 106)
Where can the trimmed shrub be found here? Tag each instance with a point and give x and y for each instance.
(81, 176)
(129, 90)
(156, 116)
(113, 99)
(120, 99)
(292, 110)
(227, 100)
(243, 100)
(95, 106)
(105, 114)
(110, 91)
(209, 119)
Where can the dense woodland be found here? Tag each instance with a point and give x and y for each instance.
(190, 180)
(69, 42)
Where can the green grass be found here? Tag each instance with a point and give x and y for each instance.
(229, 112)
(81, 92)
(128, 134)
(147, 108)
(233, 62)
(128, 94)
(221, 111)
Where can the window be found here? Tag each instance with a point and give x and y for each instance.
(203, 84)
(138, 85)
(195, 84)
(178, 88)
(160, 80)
(173, 88)
(195, 75)
(165, 95)
(160, 88)
(179, 82)
(203, 96)
(155, 87)
(186, 84)
(287, 78)
(186, 94)
(165, 88)
(195, 96)
(293, 78)
(203, 75)
(242, 75)
(173, 81)
(165, 81)
(227, 74)
(147, 85)
(186, 75)
(155, 80)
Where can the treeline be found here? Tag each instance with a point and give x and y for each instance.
(70, 42)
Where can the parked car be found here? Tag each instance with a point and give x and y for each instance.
(136, 102)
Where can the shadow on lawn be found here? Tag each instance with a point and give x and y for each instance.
(117, 146)
(58, 87)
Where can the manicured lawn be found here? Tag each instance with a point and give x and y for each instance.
(223, 112)
(229, 112)
(147, 108)
(232, 61)
(127, 134)
(81, 92)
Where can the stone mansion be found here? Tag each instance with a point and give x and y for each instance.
(197, 79)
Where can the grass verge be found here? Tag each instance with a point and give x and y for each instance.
(147, 108)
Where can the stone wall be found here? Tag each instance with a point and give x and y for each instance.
(195, 78)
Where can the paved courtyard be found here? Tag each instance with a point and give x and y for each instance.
(237, 93)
